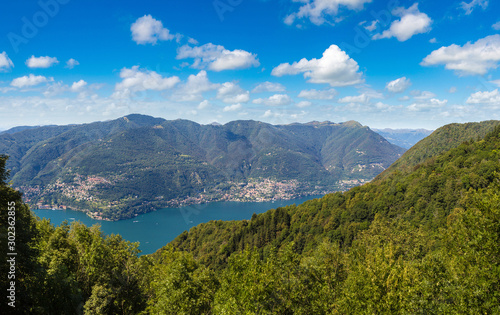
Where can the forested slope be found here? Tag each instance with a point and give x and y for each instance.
(423, 195)
(420, 240)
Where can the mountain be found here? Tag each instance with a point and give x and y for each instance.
(405, 138)
(441, 140)
(420, 240)
(135, 164)
(423, 194)
(19, 129)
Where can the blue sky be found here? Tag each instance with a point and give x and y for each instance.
(396, 64)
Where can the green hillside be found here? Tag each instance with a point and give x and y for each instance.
(135, 164)
(419, 240)
(423, 195)
(443, 139)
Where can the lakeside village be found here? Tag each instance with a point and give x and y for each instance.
(82, 190)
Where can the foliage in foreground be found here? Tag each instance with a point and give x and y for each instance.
(421, 241)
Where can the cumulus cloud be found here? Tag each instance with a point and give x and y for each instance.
(412, 22)
(71, 63)
(274, 100)
(232, 108)
(136, 80)
(486, 98)
(318, 94)
(204, 105)
(496, 26)
(335, 67)
(78, 86)
(469, 7)
(217, 58)
(29, 80)
(194, 88)
(319, 11)
(269, 87)
(469, 59)
(147, 30)
(231, 93)
(41, 62)
(5, 62)
(427, 105)
(359, 99)
(399, 85)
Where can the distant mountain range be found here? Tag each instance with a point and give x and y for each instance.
(405, 138)
(135, 164)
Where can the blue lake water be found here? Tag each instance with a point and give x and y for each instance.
(155, 229)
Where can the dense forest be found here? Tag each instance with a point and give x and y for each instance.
(422, 238)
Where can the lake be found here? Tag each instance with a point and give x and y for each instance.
(155, 229)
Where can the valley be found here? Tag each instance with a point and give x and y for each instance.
(136, 164)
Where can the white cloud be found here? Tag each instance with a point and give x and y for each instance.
(404, 98)
(5, 62)
(453, 89)
(192, 41)
(274, 100)
(359, 99)
(231, 93)
(136, 80)
(422, 95)
(433, 40)
(55, 89)
(496, 26)
(427, 105)
(476, 58)
(78, 86)
(30, 80)
(383, 107)
(217, 58)
(335, 67)
(232, 108)
(204, 105)
(469, 7)
(486, 97)
(370, 27)
(71, 63)
(412, 22)
(269, 87)
(147, 30)
(318, 11)
(41, 62)
(318, 94)
(399, 85)
(303, 104)
(194, 88)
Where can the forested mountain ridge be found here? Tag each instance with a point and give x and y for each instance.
(424, 195)
(421, 240)
(137, 163)
(441, 140)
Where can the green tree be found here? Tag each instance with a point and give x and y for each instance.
(27, 269)
(180, 285)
